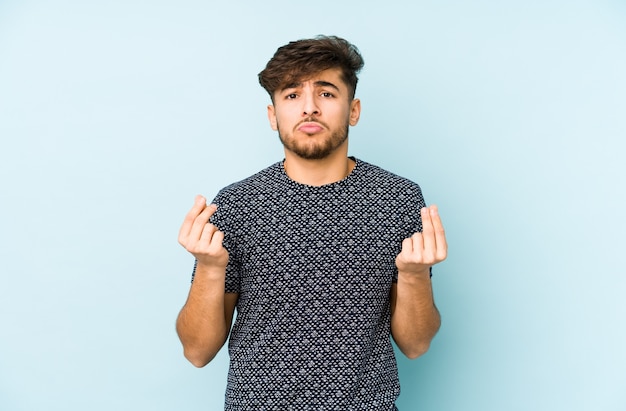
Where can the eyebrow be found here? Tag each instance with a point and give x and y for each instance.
(319, 83)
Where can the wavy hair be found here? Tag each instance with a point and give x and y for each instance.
(301, 59)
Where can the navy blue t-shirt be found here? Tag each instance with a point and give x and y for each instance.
(313, 267)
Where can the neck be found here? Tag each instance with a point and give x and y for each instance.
(317, 172)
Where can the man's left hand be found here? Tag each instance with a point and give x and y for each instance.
(423, 250)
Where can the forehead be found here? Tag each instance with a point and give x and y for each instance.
(333, 76)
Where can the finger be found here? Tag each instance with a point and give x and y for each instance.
(201, 221)
(198, 205)
(406, 253)
(407, 246)
(440, 234)
(208, 235)
(217, 240)
(428, 232)
(417, 239)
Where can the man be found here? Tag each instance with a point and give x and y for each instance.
(323, 255)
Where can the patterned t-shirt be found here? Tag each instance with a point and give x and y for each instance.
(313, 267)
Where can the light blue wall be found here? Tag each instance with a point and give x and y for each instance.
(510, 114)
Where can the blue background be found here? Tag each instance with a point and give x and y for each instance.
(510, 115)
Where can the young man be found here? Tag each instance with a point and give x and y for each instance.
(324, 256)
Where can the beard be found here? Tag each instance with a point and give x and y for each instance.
(311, 148)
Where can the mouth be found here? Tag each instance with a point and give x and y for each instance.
(310, 127)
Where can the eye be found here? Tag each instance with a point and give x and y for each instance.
(327, 94)
(291, 96)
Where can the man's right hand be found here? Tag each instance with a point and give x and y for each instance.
(203, 239)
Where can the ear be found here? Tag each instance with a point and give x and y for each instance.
(271, 115)
(355, 111)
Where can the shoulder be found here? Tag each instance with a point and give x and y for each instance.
(249, 196)
(398, 197)
(241, 201)
(266, 179)
(378, 177)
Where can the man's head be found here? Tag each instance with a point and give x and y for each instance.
(302, 59)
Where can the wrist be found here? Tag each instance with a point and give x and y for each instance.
(417, 276)
(209, 271)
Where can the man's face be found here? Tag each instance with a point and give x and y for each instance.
(312, 116)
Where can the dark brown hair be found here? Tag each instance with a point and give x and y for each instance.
(300, 59)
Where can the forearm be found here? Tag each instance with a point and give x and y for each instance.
(415, 319)
(202, 324)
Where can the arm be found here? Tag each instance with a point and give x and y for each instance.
(204, 321)
(414, 318)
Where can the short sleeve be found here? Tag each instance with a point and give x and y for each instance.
(223, 220)
(412, 218)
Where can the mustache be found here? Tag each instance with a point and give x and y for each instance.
(311, 119)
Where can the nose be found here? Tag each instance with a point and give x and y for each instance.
(310, 106)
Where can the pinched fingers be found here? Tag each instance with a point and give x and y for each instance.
(201, 238)
(185, 229)
(201, 223)
(426, 248)
(196, 222)
(418, 249)
(410, 258)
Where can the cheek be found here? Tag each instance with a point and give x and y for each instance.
(284, 120)
(279, 121)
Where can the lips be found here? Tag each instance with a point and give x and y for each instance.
(310, 128)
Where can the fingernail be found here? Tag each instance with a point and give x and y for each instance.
(433, 210)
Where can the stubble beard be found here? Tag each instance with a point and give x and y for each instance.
(312, 149)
